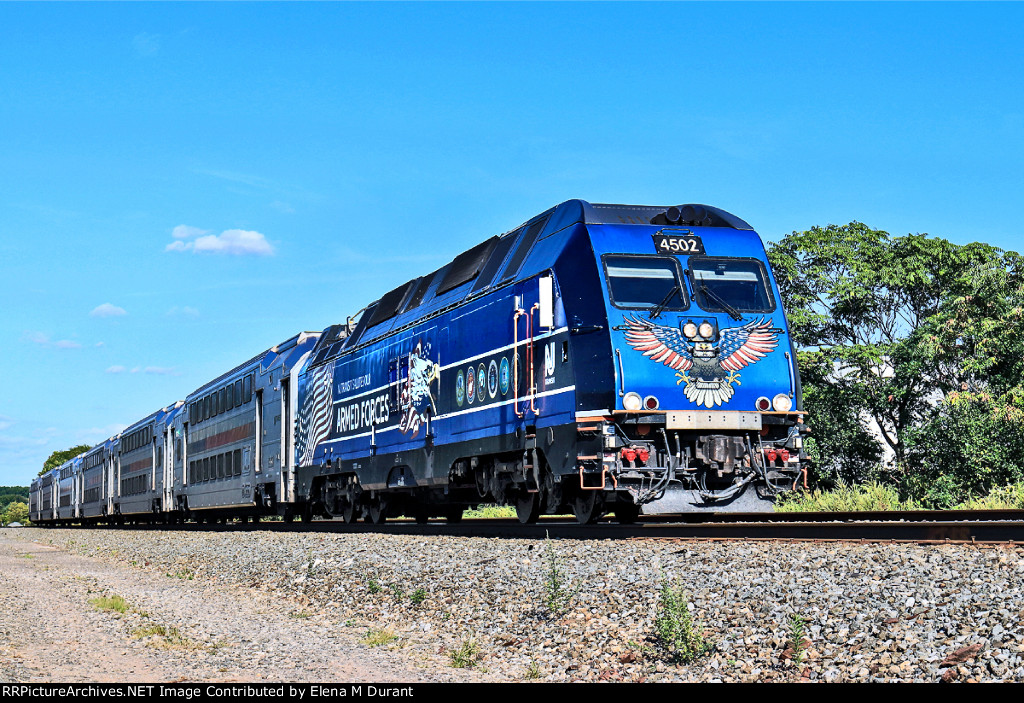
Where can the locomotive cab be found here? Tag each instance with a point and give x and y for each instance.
(705, 397)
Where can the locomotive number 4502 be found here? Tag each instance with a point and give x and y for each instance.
(678, 244)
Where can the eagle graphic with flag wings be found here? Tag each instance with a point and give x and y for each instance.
(709, 369)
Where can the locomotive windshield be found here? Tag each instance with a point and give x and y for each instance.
(729, 285)
(645, 282)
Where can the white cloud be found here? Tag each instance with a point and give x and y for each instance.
(185, 311)
(236, 242)
(281, 206)
(160, 371)
(43, 340)
(107, 310)
(40, 338)
(116, 369)
(188, 232)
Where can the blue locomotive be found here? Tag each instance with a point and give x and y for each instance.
(591, 361)
(587, 362)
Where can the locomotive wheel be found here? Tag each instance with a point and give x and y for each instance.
(377, 513)
(527, 508)
(626, 513)
(454, 514)
(421, 517)
(350, 512)
(350, 504)
(587, 506)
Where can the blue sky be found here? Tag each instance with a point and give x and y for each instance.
(184, 185)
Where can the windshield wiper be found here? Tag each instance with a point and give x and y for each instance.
(733, 312)
(660, 307)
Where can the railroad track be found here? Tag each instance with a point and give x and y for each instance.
(922, 527)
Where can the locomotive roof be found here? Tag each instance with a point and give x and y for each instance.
(447, 286)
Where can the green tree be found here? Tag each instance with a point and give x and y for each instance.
(972, 444)
(58, 458)
(888, 327)
(15, 512)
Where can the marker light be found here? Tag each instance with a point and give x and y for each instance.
(632, 401)
(782, 403)
(651, 403)
(763, 404)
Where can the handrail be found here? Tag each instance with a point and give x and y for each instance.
(530, 352)
(515, 360)
(622, 375)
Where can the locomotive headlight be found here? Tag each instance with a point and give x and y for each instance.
(690, 330)
(632, 401)
(782, 403)
(706, 330)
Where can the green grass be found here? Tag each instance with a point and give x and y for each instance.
(491, 512)
(878, 496)
(376, 637)
(163, 637)
(184, 574)
(1003, 498)
(866, 496)
(115, 603)
(418, 596)
(466, 655)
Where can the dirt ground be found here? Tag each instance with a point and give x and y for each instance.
(53, 628)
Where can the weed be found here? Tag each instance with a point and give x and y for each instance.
(373, 587)
(164, 637)
(866, 496)
(533, 671)
(114, 602)
(183, 574)
(557, 594)
(466, 655)
(300, 615)
(678, 636)
(375, 637)
(418, 596)
(397, 591)
(491, 512)
(27, 556)
(797, 639)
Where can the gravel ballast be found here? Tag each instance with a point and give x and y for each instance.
(563, 610)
